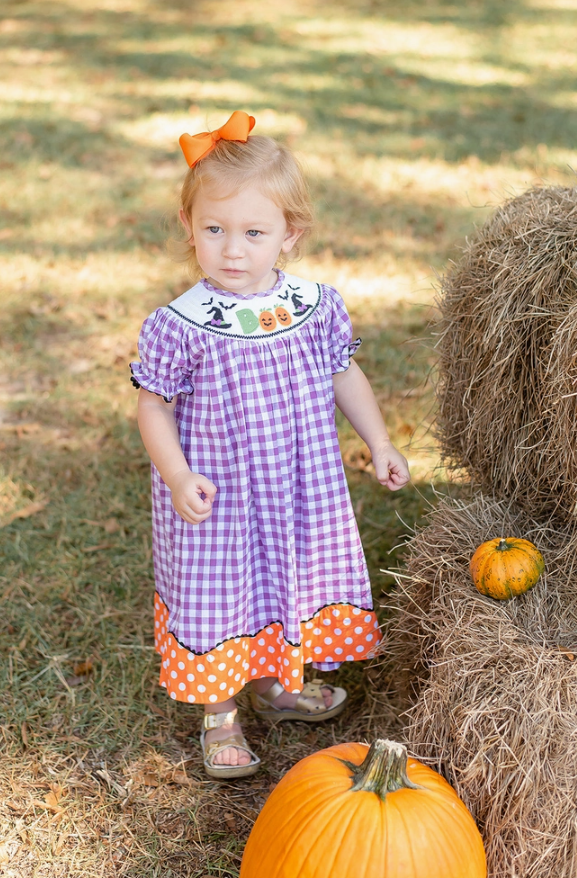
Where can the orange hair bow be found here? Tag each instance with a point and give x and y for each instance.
(195, 147)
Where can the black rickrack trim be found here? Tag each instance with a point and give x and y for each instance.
(136, 383)
(276, 622)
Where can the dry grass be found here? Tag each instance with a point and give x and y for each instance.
(507, 389)
(492, 684)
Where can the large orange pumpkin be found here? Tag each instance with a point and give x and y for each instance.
(357, 812)
(505, 567)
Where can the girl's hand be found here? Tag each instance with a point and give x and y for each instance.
(391, 467)
(192, 495)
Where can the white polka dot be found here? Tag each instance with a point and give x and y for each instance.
(309, 625)
(174, 675)
(210, 658)
(200, 668)
(348, 639)
(336, 612)
(308, 643)
(230, 672)
(201, 688)
(358, 630)
(211, 678)
(272, 669)
(269, 631)
(360, 648)
(253, 672)
(328, 640)
(317, 650)
(237, 639)
(329, 658)
(317, 631)
(237, 677)
(222, 686)
(163, 684)
(282, 648)
(261, 641)
(157, 624)
(170, 641)
(173, 695)
(350, 658)
(338, 650)
(191, 657)
(376, 623)
(271, 649)
(369, 637)
(287, 682)
(296, 692)
(222, 666)
(262, 660)
(295, 653)
(213, 698)
(326, 621)
(231, 690)
(245, 666)
(165, 664)
(182, 687)
(337, 632)
(230, 653)
(220, 647)
(368, 618)
(253, 653)
(346, 621)
(181, 666)
(157, 606)
(190, 678)
(237, 658)
(173, 654)
(191, 698)
(295, 673)
(308, 661)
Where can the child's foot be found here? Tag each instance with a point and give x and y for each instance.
(225, 750)
(315, 703)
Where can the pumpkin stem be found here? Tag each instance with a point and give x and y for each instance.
(502, 544)
(384, 769)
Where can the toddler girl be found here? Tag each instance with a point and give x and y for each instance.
(258, 563)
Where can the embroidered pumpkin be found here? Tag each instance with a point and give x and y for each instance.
(267, 320)
(351, 811)
(283, 316)
(505, 567)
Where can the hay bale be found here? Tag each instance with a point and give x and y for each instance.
(496, 706)
(507, 381)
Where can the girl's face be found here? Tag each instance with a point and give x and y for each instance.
(238, 238)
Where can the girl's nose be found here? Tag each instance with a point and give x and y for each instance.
(233, 246)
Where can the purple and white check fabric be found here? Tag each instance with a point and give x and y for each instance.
(255, 414)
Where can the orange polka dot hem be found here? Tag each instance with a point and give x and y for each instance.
(337, 633)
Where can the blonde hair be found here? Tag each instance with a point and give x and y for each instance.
(232, 166)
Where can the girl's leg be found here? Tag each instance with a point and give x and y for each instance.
(232, 755)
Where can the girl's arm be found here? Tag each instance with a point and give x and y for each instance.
(356, 400)
(192, 493)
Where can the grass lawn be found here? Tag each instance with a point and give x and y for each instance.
(413, 121)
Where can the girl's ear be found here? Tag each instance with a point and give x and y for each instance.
(290, 240)
(186, 223)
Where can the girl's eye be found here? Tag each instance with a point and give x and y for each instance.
(253, 233)
(214, 229)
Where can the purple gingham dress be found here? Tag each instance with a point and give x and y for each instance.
(255, 414)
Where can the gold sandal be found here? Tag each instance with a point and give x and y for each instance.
(310, 706)
(209, 751)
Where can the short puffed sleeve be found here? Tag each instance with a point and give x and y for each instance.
(169, 354)
(341, 339)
